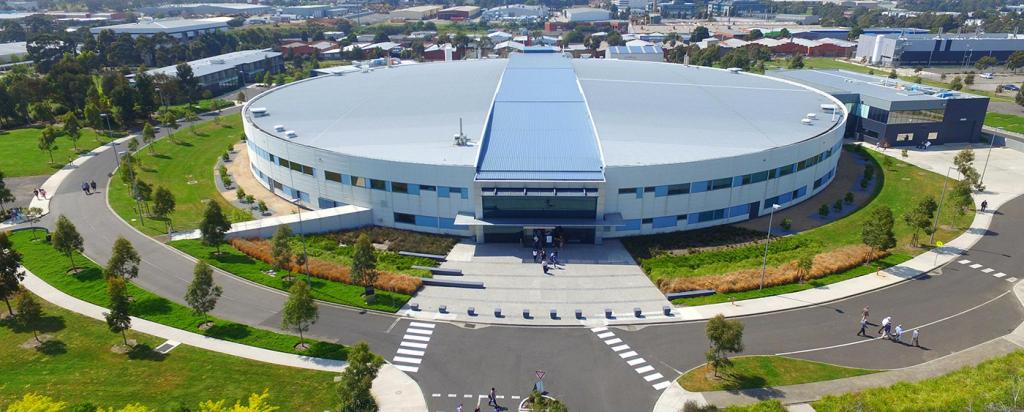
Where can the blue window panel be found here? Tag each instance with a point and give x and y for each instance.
(429, 221)
(387, 185)
(697, 187)
(660, 191)
(465, 193)
(287, 190)
(449, 223)
(346, 179)
(303, 196)
(442, 191)
(325, 203)
(414, 189)
(664, 221)
(628, 224)
(801, 192)
(737, 181)
(785, 198)
(639, 193)
(692, 218)
(741, 210)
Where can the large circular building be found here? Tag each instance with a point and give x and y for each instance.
(495, 148)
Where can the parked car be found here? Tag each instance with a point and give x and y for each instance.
(1010, 87)
(987, 75)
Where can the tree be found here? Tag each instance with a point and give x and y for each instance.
(892, 74)
(960, 197)
(214, 225)
(969, 79)
(10, 271)
(956, 83)
(357, 378)
(985, 62)
(795, 62)
(754, 35)
(920, 217)
(282, 249)
(148, 136)
(364, 264)
(240, 97)
(699, 33)
(784, 33)
(823, 210)
(964, 162)
(40, 112)
(300, 312)
(29, 311)
(804, 265)
(5, 193)
(48, 140)
(187, 82)
(877, 231)
(118, 318)
(124, 261)
(1015, 60)
(202, 294)
(725, 336)
(72, 128)
(163, 202)
(1019, 97)
(66, 240)
(615, 39)
(191, 117)
(170, 121)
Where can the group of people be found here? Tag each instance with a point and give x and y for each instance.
(544, 239)
(492, 401)
(887, 330)
(89, 187)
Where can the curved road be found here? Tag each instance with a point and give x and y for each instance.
(962, 307)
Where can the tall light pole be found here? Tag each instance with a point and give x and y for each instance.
(991, 143)
(302, 236)
(938, 212)
(764, 261)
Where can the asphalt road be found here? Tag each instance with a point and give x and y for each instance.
(961, 307)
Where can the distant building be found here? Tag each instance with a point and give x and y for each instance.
(309, 11)
(301, 49)
(737, 8)
(443, 52)
(515, 12)
(798, 18)
(177, 28)
(585, 14)
(499, 36)
(23, 5)
(416, 13)
(16, 51)
(650, 53)
(677, 9)
(226, 72)
(459, 13)
(936, 49)
(244, 9)
(897, 113)
(634, 6)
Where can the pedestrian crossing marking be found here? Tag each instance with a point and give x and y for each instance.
(620, 348)
(652, 377)
(599, 329)
(407, 368)
(605, 335)
(413, 345)
(975, 266)
(1011, 280)
(964, 262)
(421, 325)
(405, 359)
(420, 331)
(987, 270)
(411, 352)
(613, 341)
(999, 275)
(629, 354)
(662, 385)
(644, 369)
(637, 361)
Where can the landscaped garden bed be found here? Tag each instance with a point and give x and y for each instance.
(398, 240)
(339, 247)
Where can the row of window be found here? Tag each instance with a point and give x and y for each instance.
(728, 182)
(899, 116)
(359, 181)
(428, 221)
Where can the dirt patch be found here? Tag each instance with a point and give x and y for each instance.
(205, 325)
(302, 347)
(32, 343)
(121, 348)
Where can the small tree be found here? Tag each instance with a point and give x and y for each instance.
(964, 162)
(214, 225)
(48, 141)
(804, 265)
(357, 378)
(877, 230)
(124, 261)
(838, 205)
(786, 224)
(892, 74)
(29, 311)
(148, 136)
(848, 198)
(300, 311)
(282, 249)
(960, 197)
(163, 202)
(240, 194)
(72, 128)
(5, 193)
(957, 83)
(795, 62)
(725, 336)
(202, 294)
(10, 271)
(920, 217)
(240, 97)
(969, 79)
(66, 240)
(118, 318)
(170, 121)
(262, 206)
(191, 117)
(364, 265)
(823, 210)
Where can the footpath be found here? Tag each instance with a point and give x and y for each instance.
(1004, 168)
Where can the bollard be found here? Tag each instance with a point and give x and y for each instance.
(414, 306)
(608, 313)
(579, 314)
(442, 309)
(471, 311)
(667, 310)
(638, 313)
(554, 314)
(526, 314)
(497, 312)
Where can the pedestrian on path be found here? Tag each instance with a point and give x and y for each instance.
(885, 326)
(984, 205)
(863, 327)
(35, 193)
(544, 266)
(913, 339)
(85, 188)
(42, 192)
(492, 397)
(865, 312)
(92, 184)
(534, 255)
(459, 409)
(899, 333)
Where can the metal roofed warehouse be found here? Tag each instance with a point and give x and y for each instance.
(497, 147)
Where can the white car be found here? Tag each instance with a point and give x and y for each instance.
(987, 75)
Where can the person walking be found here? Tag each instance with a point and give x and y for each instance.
(544, 266)
(534, 255)
(899, 333)
(42, 192)
(984, 205)
(865, 312)
(85, 188)
(35, 193)
(863, 327)
(459, 408)
(913, 338)
(92, 184)
(492, 397)
(885, 325)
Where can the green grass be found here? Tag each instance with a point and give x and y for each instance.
(771, 405)
(89, 285)
(751, 372)
(20, 154)
(326, 248)
(77, 366)
(202, 106)
(238, 264)
(886, 262)
(185, 167)
(991, 385)
(1007, 122)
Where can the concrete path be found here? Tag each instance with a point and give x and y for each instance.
(393, 389)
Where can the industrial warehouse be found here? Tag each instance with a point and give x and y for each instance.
(496, 148)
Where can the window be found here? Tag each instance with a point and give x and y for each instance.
(378, 184)
(916, 116)
(680, 189)
(785, 170)
(627, 190)
(646, 221)
(281, 161)
(933, 135)
(902, 137)
(710, 215)
(773, 173)
(405, 218)
(428, 188)
(649, 189)
(455, 191)
(754, 178)
(680, 218)
(399, 187)
(276, 185)
(358, 181)
(723, 183)
(332, 176)
(878, 115)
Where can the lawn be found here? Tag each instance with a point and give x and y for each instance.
(202, 106)
(77, 366)
(20, 154)
(232, 261)
(185, 167)
(749, 372)
(89, 285)
(1007, 122)
(991, 385)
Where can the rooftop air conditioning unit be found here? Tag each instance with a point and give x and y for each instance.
(291, 134)
(812, 116)
(279, 128)
(259, 111)
(805, 121)
(217, 61)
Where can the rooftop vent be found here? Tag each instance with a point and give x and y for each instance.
(291, 134)
(828, 107)
(812, 116)
(805, 121)
(278, 127)
(460, 138)
(259, 111)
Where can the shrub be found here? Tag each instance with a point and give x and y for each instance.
(260, 249)
(226, 157)
(240, 194)
(262, 207)
(786, 224)
(864, 183)
(249, 199)
(223, 170)
(838, 205)
(647, 246)
(681, 265)
(231, 147)
(226, 180)
(399, 240)
(849, 198)
(823, 210)
(824, 264)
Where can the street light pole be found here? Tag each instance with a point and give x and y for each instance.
(764, 261)
(991, 143)
(302, 237)
(938, 212)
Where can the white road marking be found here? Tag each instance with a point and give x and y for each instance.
(516, 397)
(620, 348)
(412, 369)
(653, 377)
(451, 395)
(416, 337)
(606, 335)
(613, 341)
(964, 262)
(427, 332)
(644, 369)
(468, 396)
(637, 361)
(999, 275)
(436, 395)
(421, 325)
(975, 266)
(413, 345)
(629, 354)
(411, 352)
(405, 359)
(598, 329)
(392, 325)
(500, 396)
(662, 385)
(1011, 280)
(988, 270)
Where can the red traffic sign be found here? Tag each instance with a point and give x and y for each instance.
(540, 374)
